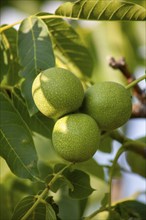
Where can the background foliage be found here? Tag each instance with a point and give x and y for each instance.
(43, 41)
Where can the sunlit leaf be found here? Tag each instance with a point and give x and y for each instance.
(68, 47)
(102, 10)
(9, 47)
(4, 57)
(16, 143)
(38, 122)
(35, 54)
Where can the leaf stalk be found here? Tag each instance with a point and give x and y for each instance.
(44, 193)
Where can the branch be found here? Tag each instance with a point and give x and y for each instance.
(138, 110)
(122, 66)
(44, 193)
(129, 144)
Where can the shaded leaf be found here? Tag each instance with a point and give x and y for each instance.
(59, 183)
(55, 207)
(61, 180)
(69, 209)
(114, 216)
(102, 10)
(16, 143)
(140, 166)
(82, 206)
(91, 167)
(35, 54)
(44, 170)
(105, 200)
(117, 170)
(68, 47)
(22, 207)
(58, 167)
(105, 144)
(50, 214)
(43, 211)
(38, 122)
(4, 203)
(131, 210)
(143, 139)
(81, 184)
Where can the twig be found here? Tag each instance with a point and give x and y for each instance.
(44, 193)
(129, 144)
(138, 111)
(122, 66)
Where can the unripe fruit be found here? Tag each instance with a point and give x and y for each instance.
(56, 92)
(109, 103)
(76, 137)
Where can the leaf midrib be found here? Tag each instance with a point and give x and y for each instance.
(15, 153)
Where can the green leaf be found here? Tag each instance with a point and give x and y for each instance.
(102, 10)
(131, 210)
(105, 200)
(44, 169)
(116, 171)
(68, 47)
(91, 167)
(38, 122)
(10, 66)
(53, 205)
(50, 214)
(70, 209)
(35, 54)
(22, 207)
(143, 139)
(4, 203)
(115, 216)
(4, 56)
(43, 211)
(81, 184)
(138, 167)
(16, 143)
(61, 180)
(58, 167)
(105, 144)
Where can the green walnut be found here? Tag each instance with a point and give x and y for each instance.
(76, 137)
(56, 92)
(109, 103)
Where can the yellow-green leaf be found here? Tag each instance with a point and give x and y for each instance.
(102, 10)
(35, 54)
